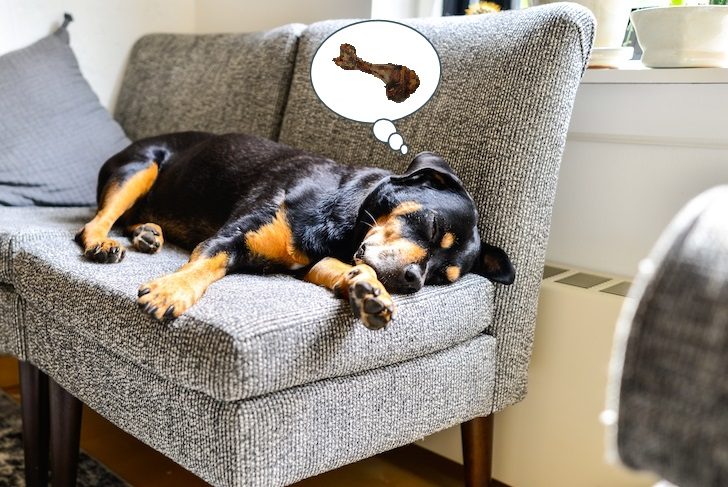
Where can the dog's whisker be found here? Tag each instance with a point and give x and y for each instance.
(371, 216)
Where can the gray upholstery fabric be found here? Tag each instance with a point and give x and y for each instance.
(54, 133)
(669, 384)
(278, 438)
(249, 335)
(11, 308)
(19, 225)
(213, 82)
(499, 117)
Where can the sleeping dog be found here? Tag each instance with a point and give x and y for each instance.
(245, 204)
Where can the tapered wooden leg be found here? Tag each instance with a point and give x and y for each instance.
(34, 407)
(65, 435)
(477, 435)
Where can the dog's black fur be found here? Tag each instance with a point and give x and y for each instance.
(215, 189)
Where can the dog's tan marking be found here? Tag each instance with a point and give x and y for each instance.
(368, 298)
(274, 242)
(117, 199)
(171, 295)
(388, 232)
(405, 208)
(447, 240)
(452, 272)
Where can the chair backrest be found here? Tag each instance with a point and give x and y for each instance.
(212, 82)
(499, 117)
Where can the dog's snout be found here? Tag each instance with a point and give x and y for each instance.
(412, 278)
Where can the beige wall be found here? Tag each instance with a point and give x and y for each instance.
(245, 16)
(102, 34)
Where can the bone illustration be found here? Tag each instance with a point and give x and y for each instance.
(400, 81)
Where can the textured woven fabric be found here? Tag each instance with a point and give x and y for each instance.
(19, 225)
(669, 383)
(278, 438)
(216, 83)
(54, 133)
(11, 307)
(499, 117)
(249, 335)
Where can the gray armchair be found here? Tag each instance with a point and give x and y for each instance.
(269, 380)
(669, 392)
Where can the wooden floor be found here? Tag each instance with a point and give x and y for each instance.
(142, 466)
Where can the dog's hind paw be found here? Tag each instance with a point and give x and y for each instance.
(146, 238)
(368, 298)
(167, 297)
(106, 251)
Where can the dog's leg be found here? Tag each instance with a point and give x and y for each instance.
(369, 300)
(119, 195)
(171, 295)
(146, 237)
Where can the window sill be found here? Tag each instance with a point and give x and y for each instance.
(633, 72)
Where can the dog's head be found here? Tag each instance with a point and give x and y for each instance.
(421, 227)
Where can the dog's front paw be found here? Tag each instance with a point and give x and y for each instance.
(369, 300)
(147, 238)
(167, 297)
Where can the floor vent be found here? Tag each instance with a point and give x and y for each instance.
(586, 280)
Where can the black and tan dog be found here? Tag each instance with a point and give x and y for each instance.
(246, 204)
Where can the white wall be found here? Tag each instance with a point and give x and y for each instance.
(104, 31)
(101, 35)
(637, 152)
(248, 16)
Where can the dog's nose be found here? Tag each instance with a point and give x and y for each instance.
(359, 254)
(412, 277)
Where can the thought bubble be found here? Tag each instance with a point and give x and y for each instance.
(359, 94)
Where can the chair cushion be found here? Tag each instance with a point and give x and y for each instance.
(22, 224)
(210, 82)
(54, 133)
(249, 335)
(19, 225)
(278, 438)
(11, 339)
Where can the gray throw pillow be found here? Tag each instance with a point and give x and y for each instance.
(54, 133)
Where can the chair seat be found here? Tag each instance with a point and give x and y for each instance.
(249, 335)
(18, 225)
(26, 223)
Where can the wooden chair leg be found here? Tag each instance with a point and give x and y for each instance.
(65, 435)
(477, 436)
(34, 413)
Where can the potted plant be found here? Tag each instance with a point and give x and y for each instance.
(683, 36)
(612, 17)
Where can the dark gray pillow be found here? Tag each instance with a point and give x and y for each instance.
(54, 133)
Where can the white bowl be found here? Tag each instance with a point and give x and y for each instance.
(683, 37)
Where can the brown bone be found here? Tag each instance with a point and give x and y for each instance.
(400, 81)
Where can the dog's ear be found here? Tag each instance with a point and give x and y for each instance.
(430, 166)
(494, 264)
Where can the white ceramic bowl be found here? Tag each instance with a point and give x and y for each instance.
(683, 37)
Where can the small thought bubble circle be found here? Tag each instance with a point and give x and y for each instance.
(355, 89)
(383, 128)
(395, 141)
